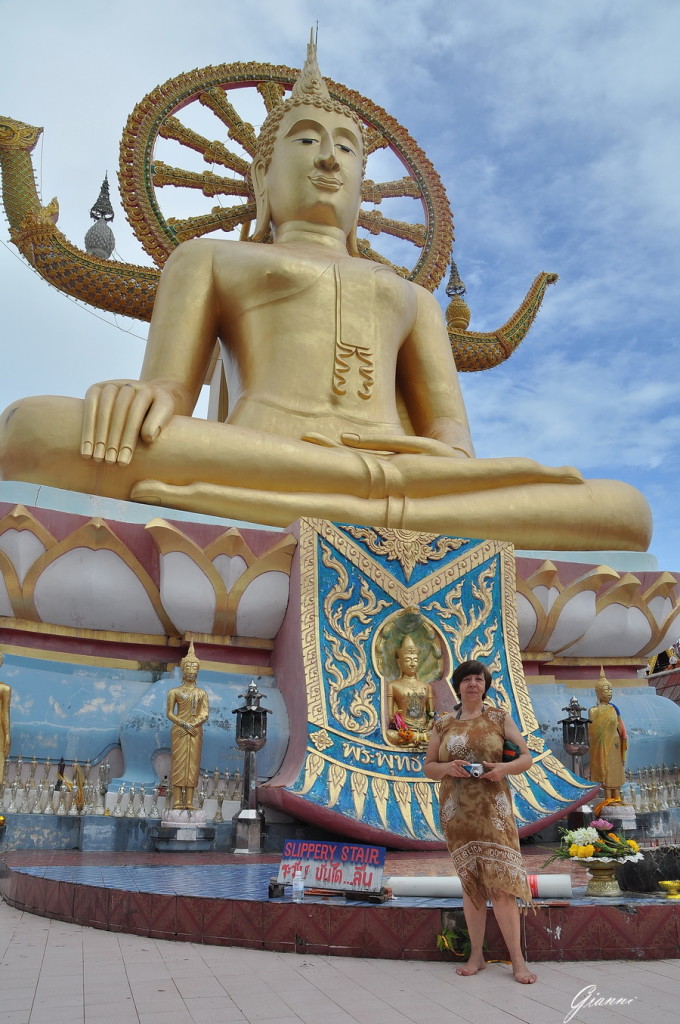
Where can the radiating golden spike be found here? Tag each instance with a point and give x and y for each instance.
(209, 184)
(212, 152)
(374, 222)
(238, 129)
(225, 218)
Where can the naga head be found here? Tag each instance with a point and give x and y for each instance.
(17, 135)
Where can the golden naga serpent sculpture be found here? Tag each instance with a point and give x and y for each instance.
(129, 289)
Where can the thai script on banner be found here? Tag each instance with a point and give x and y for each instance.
(324, 865)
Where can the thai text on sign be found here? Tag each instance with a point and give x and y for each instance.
(324, 865)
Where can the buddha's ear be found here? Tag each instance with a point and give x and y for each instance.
(352, 247)
(262, 207)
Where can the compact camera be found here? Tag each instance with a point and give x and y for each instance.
(475, 770)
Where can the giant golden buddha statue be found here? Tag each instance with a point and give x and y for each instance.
(345, 401)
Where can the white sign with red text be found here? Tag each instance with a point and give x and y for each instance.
(326, 865)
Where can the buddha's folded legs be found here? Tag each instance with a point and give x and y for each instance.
(40, 442)
(235, 472)
(593, 516)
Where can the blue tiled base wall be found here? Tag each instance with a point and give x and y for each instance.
(94, 833)
(106, 834)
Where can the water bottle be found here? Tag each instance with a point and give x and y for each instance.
(298, 888)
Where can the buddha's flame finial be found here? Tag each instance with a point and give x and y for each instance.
(454, 286)
(190, 655)
(408, 644)
(310, 85)
(102, 209)
(458, 311)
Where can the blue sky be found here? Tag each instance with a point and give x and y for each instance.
(554, 128)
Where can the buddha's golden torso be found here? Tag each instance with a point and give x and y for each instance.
(329, 324)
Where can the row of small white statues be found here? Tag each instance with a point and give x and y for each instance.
(47, 788)
(652, 789)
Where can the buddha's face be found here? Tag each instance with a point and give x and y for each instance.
(604, 692)
(189, 671)
(315, 170)
(407, 660)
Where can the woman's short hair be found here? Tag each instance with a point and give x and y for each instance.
(471, 668)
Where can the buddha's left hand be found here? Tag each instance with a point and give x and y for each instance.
(406, 445)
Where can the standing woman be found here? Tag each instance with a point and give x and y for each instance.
(476, 813)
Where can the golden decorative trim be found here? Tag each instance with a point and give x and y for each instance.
(589, 684)
(403, 792)
(252, 642)
(424, 794)
(337, 776)
(554, 765)
(313, 768)
(528, 722)
(49, 629)
(348, 652)
(40, 654)
(635, 662)
(425, 588)
(408, 547)
(381, 794)
(321, 739)
(309, 636)
(359, 786)
(235, 667)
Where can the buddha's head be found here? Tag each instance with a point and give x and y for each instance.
(190, 665)
(603, 688)
(407, 657)
(310, 160)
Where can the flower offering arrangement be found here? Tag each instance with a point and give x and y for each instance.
(596, 843)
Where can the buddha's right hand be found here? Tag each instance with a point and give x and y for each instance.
(117, 413)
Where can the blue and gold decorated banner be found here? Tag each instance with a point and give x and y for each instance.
(368, 594)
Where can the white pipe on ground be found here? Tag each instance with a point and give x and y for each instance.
(542, 886)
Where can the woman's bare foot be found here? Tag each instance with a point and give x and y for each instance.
(524, 976)
(470, 968)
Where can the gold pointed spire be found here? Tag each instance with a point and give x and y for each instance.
(408, 644)
(310, 86)
(190, 655)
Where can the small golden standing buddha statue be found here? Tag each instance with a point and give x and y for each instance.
(410, 700)
(187, 709)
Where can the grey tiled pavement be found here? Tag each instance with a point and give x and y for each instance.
(56, 973)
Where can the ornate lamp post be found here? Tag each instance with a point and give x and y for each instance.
(575, 742)
(575, 734)
(251, 736)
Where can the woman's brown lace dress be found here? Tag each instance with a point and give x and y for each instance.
(476, 816)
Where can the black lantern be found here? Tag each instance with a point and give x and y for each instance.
(251, 736)
(251, 720)
(575, 733)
